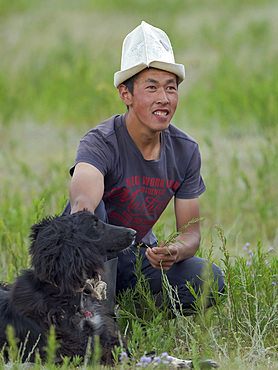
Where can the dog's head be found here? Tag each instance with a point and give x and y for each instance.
(69, 249)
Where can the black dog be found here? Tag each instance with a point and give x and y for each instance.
(65, 252)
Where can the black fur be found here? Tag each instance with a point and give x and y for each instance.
(65, 251)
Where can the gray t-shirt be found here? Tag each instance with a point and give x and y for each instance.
(136, 190)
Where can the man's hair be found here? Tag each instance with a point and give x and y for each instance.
(129, 83)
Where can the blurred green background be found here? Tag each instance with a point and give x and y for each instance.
(57, 61)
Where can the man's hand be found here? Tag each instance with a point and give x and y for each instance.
(162, 257)
(186, 244)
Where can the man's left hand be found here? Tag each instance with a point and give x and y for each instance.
(162, 257)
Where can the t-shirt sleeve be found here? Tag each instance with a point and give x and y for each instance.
(95, 150)
(193, 184)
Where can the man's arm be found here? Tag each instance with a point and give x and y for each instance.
(187, 210)
(86, 188)
(186, 244)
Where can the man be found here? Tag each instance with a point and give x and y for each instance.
(129, 167)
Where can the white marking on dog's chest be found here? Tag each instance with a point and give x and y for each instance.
(90, 310)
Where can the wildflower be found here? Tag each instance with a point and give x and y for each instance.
(246, 247)
(270, 249)
(170, 358)
(273, 283)
(157, 360)
(250, 252)
(248, 263)
(145, 360)
(164, 355)
(123, 356)
(267, 264)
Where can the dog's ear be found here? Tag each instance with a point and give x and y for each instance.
(36, 228)
(63, 255)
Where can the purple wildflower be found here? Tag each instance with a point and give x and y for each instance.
(164, 354)
(170, 358)
(248, 263)
(273, 283)
(246, 247)
(145, 360)
(123, 356)
(157, 360)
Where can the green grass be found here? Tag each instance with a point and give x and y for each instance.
(243, 320)
(57, 61)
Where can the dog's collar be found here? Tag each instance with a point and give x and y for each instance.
(96, 286)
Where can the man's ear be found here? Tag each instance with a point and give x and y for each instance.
(125, 94)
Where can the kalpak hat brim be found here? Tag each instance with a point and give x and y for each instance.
(145, 47)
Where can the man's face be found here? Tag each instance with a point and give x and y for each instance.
(154, 100)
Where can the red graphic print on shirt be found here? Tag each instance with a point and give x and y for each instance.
(141, 202)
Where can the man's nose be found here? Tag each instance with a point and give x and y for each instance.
(162, 96)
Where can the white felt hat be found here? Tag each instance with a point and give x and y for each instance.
(147, 46)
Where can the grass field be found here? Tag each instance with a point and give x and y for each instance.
(57, 60)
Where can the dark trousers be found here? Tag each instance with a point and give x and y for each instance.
(195, 271)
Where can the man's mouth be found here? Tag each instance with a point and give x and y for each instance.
(160, 113)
